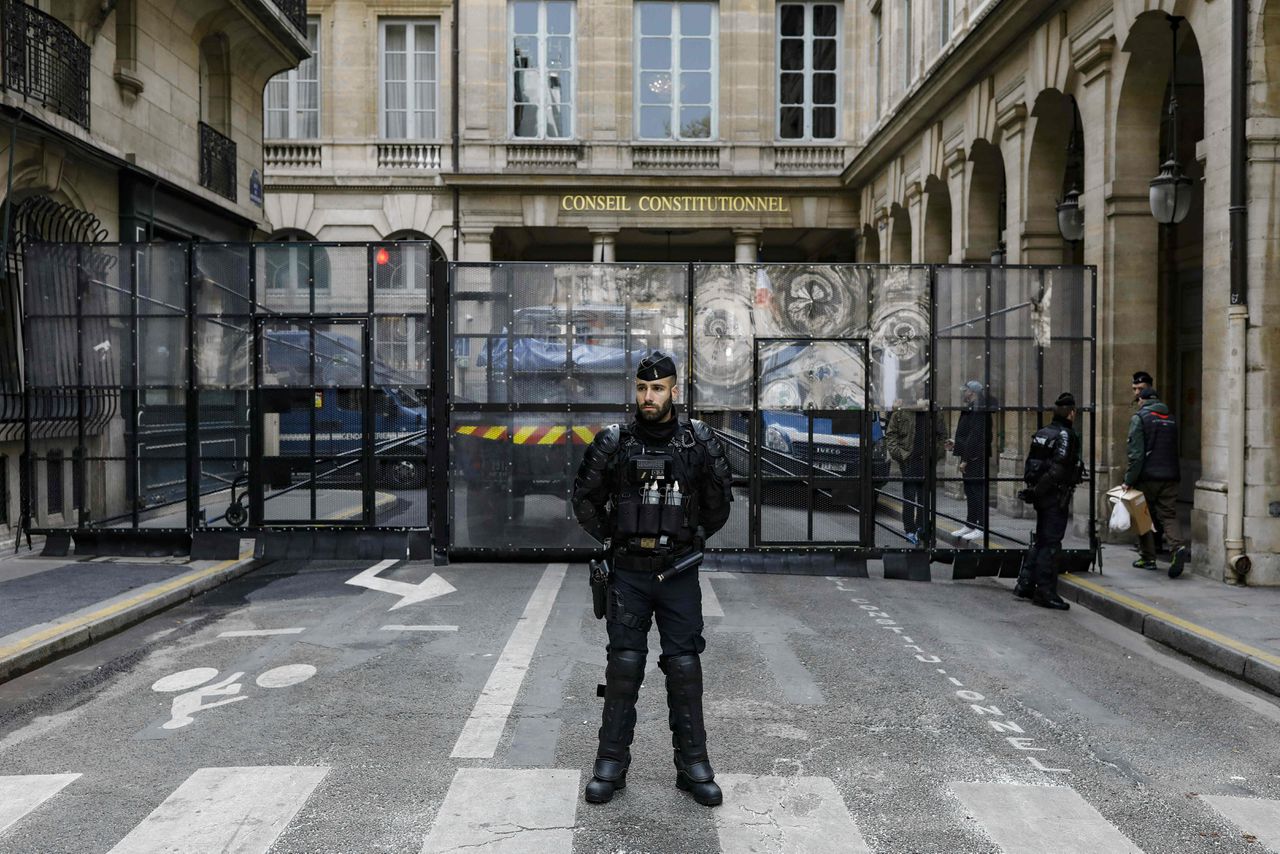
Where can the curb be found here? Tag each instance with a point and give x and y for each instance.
(1250, 664)
(44, 643)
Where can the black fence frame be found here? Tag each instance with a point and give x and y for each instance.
(435, 538)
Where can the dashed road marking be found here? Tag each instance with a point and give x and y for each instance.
(769, 814)
(1034, 819)
(506, 811)
(1254, 816)
(22, 793)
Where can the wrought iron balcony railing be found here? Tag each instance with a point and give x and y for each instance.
(217, 162)
(44, 61)
(295, 11)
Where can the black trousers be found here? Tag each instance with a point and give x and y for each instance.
(912, 514)
(636, 599)
(975, 498)
(1051, 527)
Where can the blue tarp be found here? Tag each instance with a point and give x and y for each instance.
(533, 354)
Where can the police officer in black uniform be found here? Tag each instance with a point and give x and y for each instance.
(653, 491)
(1053, 469)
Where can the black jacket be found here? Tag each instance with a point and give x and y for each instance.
(600, 478)
(973, 438)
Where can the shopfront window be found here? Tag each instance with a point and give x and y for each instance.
(676, 70)
(542, 69)
(808, 70)
(410, 79)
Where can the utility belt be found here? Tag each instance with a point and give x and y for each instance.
(647, 554)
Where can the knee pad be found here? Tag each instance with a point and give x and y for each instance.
(625, 670)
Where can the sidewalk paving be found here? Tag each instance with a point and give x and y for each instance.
(1234, 629)
(50, 607)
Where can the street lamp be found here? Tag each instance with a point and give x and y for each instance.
(1170, 192)
(1070, 216)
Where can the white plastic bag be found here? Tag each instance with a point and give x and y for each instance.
(1119, 516)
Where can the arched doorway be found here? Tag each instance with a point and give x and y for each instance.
(1055, 167)
(899, 235)
(937, 222)
(985, 217)
(1164, 313)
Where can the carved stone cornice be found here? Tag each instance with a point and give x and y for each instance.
(1093, 59)
(955, 159)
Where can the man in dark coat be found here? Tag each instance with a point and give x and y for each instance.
(1052, 471)
(1155, 471)
(653, 490)
(972, 444)
(907, 445)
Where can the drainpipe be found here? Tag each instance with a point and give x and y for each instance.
(1238, 562)
(456, 86)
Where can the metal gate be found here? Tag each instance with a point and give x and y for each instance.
(309, 392)
(813, 376)
(274, 387)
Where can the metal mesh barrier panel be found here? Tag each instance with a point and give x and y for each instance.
(224, 386)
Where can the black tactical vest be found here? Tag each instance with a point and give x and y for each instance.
(656, 490)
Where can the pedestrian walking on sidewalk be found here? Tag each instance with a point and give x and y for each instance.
(972, 444)
(653, 491)
(1052, 470)
(905, 439)
(1141, 380)
(1155, 472)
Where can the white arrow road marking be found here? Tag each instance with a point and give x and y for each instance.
(411, 594)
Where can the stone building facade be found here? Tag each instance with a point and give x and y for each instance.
(125, 120)
(895, 131)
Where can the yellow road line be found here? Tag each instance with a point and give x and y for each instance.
(111, 610)
(1201, 631)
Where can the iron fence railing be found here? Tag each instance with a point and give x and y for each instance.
(295, 11)
(45, 61)
(217, 162)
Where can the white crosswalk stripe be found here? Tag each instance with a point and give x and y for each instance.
(20, 794)
(1257, 817)
(225, 810)
(506, 811)
(483, 730)
(1025, 819)
(792, 814)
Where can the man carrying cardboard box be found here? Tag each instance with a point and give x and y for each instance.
(1153, 469)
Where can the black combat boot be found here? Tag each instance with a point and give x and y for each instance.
(688, 733)
(622, 678)
(1026, 585)
(1046, 589)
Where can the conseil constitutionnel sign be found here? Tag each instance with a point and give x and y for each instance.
(694, 203)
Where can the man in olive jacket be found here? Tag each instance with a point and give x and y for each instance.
(1153, 470)
(904, 440)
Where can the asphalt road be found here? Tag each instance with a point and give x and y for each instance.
(843, 715)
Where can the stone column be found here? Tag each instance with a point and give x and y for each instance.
(954, 161)
(746, 246)
(1012, 360)
(1012, 120)
(604, 246)
(477, 243)
(913, 198)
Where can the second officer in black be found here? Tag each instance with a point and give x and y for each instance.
(654, 490)
(1052, 471)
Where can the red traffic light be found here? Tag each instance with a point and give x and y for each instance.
(382, 256)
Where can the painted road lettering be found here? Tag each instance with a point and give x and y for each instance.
(1020, 742)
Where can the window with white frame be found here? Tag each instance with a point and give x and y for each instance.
(808, 68)
(542, 69)
(676, 70)
(410, 79)
(293, 98)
